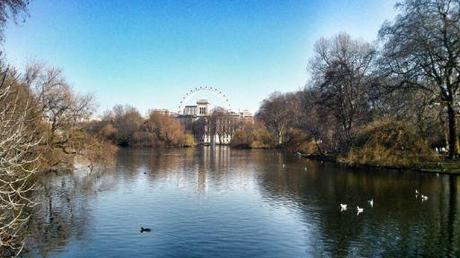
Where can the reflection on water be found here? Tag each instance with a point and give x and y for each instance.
(239, 203)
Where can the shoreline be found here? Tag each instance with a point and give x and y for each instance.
(332, 159)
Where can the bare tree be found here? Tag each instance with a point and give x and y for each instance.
(18, 165)
(61, 109)
(315, 121)
(341, 68)
(421, 49)
(126, 120)
(165, 129)
(98, 153)
(11, 9)
(221, 124)
(278, 113)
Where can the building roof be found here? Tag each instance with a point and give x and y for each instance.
(202, 101)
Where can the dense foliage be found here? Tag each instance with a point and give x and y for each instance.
(252, 135)
(124, 126)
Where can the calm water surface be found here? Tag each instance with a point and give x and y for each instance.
(239, 203)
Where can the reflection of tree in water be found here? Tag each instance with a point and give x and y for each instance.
(197, 168)
(398, 225)
(63, 211)
(185, 166)
(450, 221)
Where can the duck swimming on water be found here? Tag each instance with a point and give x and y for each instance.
(359, 210)
(371, 202)
(145, 229)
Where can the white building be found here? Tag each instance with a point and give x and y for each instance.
(200, 109)
(197, 119)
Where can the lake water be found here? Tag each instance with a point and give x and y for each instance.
(224, 202)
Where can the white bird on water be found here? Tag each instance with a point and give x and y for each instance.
(424, 198)
(343, 207)
(284, 165)
(371, 202)
(359, 210)
(305, 168)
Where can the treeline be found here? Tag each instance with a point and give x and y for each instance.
(51, 112)
(42, 129)
(124, 126)
(388, 103)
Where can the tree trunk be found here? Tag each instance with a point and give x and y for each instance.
(452, 137)
(280, 136)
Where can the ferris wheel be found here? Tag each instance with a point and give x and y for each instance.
(207, 89)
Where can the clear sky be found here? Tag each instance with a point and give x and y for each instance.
(150, 53)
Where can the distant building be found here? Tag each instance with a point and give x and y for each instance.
(203, 107)
(190, 110)
(246, 116)
(200, 109)
(212, 126)
(162, 111)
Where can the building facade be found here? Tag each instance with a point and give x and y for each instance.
(211, 127)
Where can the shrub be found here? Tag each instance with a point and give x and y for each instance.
(389, 143)
(189, 140)
(310, 147)
(252, 135)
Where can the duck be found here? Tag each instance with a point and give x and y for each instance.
(371, 202)
(424, 198)
(343, 207)
(359, 210)
(145, 230)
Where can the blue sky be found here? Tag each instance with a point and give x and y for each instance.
(150, 53)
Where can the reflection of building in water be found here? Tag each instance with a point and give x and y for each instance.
(215, 126)
(214, 160)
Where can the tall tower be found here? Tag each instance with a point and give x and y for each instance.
(203, 107)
